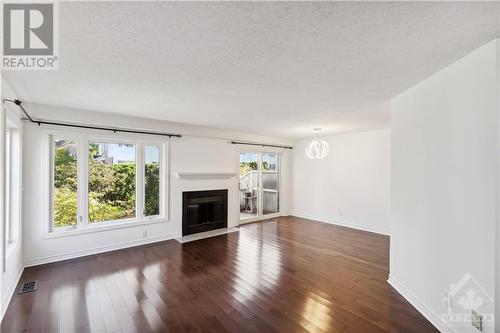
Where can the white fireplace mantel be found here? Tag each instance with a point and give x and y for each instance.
(206, 175)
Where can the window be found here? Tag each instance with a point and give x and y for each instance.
(152, 180)
(12, 181)
(112, 181)
(99, 182)
(65, 183)
(8, 180)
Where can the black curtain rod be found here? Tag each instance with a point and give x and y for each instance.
(114, 130)
(259, 144)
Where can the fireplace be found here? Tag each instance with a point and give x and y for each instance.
(203, 211)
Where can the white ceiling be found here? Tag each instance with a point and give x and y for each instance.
(271, 68)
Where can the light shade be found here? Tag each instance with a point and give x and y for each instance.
(317, 149)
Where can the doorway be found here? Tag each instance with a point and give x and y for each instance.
(259, 185)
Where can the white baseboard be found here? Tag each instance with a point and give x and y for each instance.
(206, 234)
(419, 305)
(82, 253)
(344, 224)
(10, 292)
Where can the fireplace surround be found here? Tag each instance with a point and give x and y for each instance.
(203, 211)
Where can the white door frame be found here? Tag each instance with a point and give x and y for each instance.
(260, 216)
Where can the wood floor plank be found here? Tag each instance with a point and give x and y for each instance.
(66, 320)
(282, 275)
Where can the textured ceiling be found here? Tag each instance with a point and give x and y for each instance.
(271, 68)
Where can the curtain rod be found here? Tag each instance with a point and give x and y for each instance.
(259, 144)
(114, 130)
(122, 130)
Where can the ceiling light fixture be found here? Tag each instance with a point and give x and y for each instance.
(317, 149)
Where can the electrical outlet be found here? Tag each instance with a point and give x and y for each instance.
(477, 320)
(341, 213)
(144, 234)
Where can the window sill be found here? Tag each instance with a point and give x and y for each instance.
(99, 228)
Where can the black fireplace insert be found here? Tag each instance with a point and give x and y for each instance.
(203, 211)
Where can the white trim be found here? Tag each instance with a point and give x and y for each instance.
(419, 305)
(101, 249)
(101, 228)
(10, 292)
(344, 224)
(260, 218)
(206, 234)
(3, 176)
(198, 175)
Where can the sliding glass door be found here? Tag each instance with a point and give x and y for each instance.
(249, 185)
(259, 185)
(270, 183)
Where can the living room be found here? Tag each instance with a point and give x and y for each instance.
(250, 166)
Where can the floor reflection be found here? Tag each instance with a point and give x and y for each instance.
(283, 275)
(258, 264)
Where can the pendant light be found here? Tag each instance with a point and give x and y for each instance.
(317, 149)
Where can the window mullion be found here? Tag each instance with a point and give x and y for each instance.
(163, 180)
(139, 190)
(83, 183)
(51, 194)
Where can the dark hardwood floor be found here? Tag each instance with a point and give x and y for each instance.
(282, 275)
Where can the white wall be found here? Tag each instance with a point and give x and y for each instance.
(497, 276)
(351, 186)
(444, 182)
(11, 255)
(205, 152)
(497, 233)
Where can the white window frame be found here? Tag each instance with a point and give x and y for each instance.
(162, 180)
(52, 139)
(13, 181)
(85, 195)
(8, 183)
(83, 138)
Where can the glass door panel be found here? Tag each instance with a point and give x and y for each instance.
(270, 183)
(259, 185)
(249, 185)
